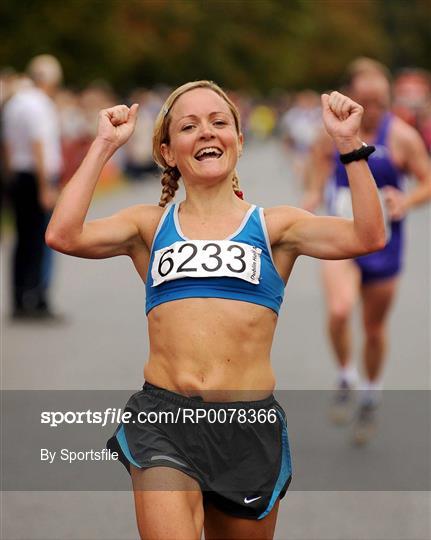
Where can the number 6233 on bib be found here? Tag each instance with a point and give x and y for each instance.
(205, 258)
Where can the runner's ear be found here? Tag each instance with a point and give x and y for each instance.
(167, 155)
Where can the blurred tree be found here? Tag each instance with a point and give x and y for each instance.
(251, 44)
(78, 32)
(407, 23)
(338, 32)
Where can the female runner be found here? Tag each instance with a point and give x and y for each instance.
(215, 267)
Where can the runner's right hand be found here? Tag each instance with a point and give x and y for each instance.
(117, 124)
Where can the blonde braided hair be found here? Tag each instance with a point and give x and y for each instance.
(235, 185)
(170, 184)
(171, 175)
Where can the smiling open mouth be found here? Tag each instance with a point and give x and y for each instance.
(212, 152)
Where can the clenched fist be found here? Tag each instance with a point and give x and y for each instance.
(117, 124)
(342, 118)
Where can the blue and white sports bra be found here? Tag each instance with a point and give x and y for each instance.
(239, 267)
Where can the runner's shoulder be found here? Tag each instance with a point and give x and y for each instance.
(145, 217)
(407, 143)
(404, 133)
(280, 218)
(143, 211)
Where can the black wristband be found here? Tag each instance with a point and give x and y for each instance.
(361, 153)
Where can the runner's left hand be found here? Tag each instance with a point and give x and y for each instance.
(396, 203)
(342, 118)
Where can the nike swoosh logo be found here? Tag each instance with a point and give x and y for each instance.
(248, 501)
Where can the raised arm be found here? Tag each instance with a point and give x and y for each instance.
(333, 237)
(116, 235)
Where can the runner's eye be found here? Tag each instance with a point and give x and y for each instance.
(187, 127)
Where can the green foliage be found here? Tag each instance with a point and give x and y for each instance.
(251, 44)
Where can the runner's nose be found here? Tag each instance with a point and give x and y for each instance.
(206, 132)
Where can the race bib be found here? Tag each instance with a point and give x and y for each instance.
(206, 258)
(343, 207)
(343, 203)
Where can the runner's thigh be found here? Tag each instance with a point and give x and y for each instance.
(168, 504)
(377, 299)
(341, 280)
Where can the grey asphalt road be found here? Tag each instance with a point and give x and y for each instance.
(104, 344)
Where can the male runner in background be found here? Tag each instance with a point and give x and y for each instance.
(373, 278)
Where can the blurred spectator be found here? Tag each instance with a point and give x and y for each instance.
(9, 81)
(412, 100)
(74, 128)
(262, 121)
(300, 126)
(244, 103)
(139, 148)
(99, 95)
(34, 162)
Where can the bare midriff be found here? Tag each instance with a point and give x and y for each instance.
(216, 348)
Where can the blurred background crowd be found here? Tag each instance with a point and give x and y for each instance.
(272, 55)
(292, 116)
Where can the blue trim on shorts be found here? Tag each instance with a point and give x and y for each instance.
(285, 468)
(122, 441)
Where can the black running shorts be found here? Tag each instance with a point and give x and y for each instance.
(238, 451)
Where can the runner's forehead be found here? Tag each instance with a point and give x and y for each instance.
(199, 102)
(371, 88)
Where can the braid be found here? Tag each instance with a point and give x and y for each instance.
(169, 181)
(235, 185)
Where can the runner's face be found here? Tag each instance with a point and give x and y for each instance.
(201, 119)
(373, 93)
